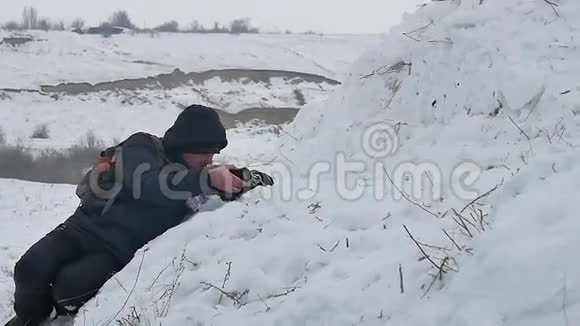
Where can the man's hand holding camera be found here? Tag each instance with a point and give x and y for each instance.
(230, 182)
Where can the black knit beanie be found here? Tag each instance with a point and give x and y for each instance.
(198, 129)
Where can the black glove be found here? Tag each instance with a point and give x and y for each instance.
(252, 177)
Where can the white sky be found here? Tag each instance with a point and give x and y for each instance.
(329, 16)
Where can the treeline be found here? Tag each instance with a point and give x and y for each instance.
(32, 21)
(237, 26)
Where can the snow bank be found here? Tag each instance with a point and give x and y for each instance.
(475, 98)
(28, 211)
(453, 92)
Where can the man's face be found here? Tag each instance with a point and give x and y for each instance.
(198, 161)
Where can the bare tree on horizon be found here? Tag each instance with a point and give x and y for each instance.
(30, 18)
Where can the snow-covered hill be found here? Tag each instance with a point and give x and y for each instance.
(437, 186)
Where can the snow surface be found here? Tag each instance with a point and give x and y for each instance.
(479, 74)
(67, 57)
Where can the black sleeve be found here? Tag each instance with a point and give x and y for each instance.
(147, 178)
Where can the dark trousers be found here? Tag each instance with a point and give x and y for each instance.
(59, 272)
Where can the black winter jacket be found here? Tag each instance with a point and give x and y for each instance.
(142, 210)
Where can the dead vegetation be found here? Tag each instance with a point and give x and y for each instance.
(164, 286)
(162, 290)
(50, 166)
(389, 69)
(470, 221)
(241, 298)
(554, 6)
(41, 132)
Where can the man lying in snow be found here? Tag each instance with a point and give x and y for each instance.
(147, 186)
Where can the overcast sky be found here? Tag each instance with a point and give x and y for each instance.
(329, 16)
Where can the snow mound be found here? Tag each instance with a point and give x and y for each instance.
(477, 102)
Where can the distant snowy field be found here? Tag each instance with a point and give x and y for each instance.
(67, 57)
(59, 57)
